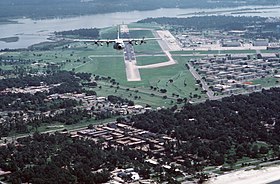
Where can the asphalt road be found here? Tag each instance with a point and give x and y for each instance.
(209, 93)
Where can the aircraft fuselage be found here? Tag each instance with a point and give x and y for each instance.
(119, 44)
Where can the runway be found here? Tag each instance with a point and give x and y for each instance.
(132, 71)
(167, 43)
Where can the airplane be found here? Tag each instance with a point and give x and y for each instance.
(118, 43)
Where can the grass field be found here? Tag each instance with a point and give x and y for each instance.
(144, 25)
(147, 60)
(270, 51)
(267, 82)
(107, 66)
(105, 61)
(224, 52)
(112, 65)
(150, 47)
(183, 82)
(216, 52)
(146, 98)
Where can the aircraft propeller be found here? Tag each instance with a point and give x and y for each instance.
(142, 41)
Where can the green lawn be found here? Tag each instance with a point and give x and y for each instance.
(108, 66)
(146, 98)
(266, 82)
(159, 77)
(6, 67)
(140, 33)
(144, 25)
(238, 51)
(270, 51)
(195, 52)
(149, 47)
(183, 82)
(105, 61)
(147, 60)
(219, 52)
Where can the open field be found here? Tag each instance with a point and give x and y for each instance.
(151, 47)
(113, 66)
(105, 61)
(215, 52)
(145, 96)
(147, 60)
(107, 66)
(223, 51)
(144, 25)
(267, 82)
(183, 82)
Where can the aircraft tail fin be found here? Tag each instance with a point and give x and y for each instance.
(118, 32)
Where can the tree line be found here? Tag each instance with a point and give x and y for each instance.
(208, 22)
(34, 102)
(57, 158)
(54, 8)
(254, 27)
(85, 33)
(220, 131)
(211, 133)
(70, 82)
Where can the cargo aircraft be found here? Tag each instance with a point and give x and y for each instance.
(118, 43)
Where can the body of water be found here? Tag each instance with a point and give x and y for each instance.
(35, 31)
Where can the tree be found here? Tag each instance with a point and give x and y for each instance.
(255, 151)
(263, 150)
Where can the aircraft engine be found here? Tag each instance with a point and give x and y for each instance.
(118, 46)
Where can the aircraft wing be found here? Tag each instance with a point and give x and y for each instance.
(139, 39)
(95, 41)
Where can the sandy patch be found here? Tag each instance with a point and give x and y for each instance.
(264, 175)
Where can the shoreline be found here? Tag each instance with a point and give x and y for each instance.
(267, 174)
(209, 10)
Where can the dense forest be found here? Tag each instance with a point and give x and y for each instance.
(211, 129)
(209, 22)
(61, 159)
(34, 102)
(23, 108)
(255, 27)
(211, 133)
(59, 8)
(84, 33)
(69, 81)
